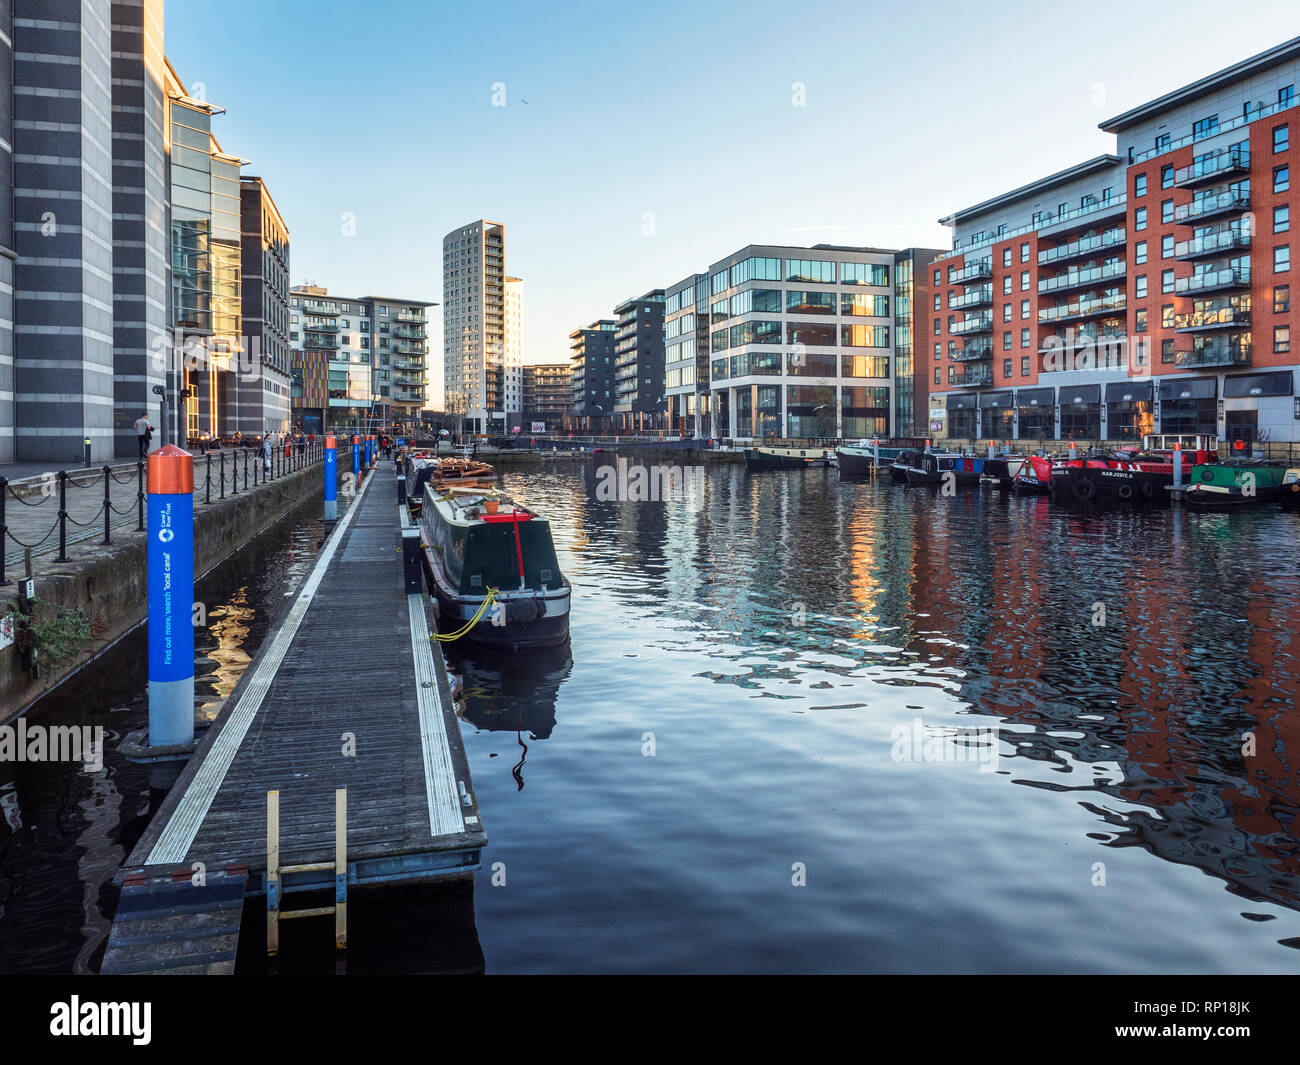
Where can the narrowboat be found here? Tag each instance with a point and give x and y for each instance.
(786, 458)
(1128, 475)
(930, 468)
(1033, 476)
(1001, 470)
(493, 568)
(425, 469)
(856, 460)
(1227, 484)
(1291, 489)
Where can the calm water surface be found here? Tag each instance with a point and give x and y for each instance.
(813, 725)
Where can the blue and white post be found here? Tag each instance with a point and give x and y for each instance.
(370, 452)
(331, 479)
(171, 597)
(356, 460)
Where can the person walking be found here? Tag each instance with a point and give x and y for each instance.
(143, 433)
(266, 454)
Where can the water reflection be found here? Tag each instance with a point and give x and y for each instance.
(1127, 658)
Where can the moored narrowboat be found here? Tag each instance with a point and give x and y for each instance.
(786, 458)
(1227, 484)
(493, 568)
(1291, 489)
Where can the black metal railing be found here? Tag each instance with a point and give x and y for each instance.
(216, 473)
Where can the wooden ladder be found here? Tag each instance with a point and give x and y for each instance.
(274, 870)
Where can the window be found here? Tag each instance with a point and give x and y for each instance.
(1281, 137)
(864, 274)
(1167, 351)
(1006, 285)
(1281, 299)
(1205, 127)
(1167, 316)
(1140, 320)
(1140, 252)
(1281, 178)
(1285, 95)
(1006, 256)
(1140, 185)
(1162, 142)
(811, 270)
(1006, 340)
(1281, 219)
(1006, 367)
(1166, 246)
(1281, 339)
(1024, 252)
(1166, 210)
(1024, 366)
(937, 371)
(1024, 308)
(936, 327)
(1166, 281)
(936, 301)
(1140, 218)
(936, 276)
(1024, 280)
(938, 351)
(1024, 338)
(1282, 259)
(1006, 312)
(1140, 286)
(1167, 177)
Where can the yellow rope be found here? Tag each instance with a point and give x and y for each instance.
(487, 601)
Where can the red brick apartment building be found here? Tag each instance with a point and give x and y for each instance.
(1145, 291)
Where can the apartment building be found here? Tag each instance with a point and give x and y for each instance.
(801, 341)
(547, 393)
(358, 363)
(263, 379)
(591, 375)
(639, 362)
(1144, 290)
(482, 375)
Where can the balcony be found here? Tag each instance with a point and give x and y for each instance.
(321, 326)
(1094, 275)
(414, 317)
(1084, 308)
(409, 332)
(1075, 339)
(977, 271)
(1220, 351)
(1213, 167)
(974, 350)
(1218, 243)
(1203, 208)
(1083, 246)
(1224, 280)
(974, 379)
(976, 297)
(980, 323)
(323, 340)
(1217, 317)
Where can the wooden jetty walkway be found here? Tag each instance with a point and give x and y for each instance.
(347, 692)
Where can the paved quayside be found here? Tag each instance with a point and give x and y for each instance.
(351, 657)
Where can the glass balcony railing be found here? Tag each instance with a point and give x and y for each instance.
(1083, 246)
(1094, 275)
(321, 340)
(1083, 308)
(976, 271)
(979, 323)
(1230, 277)
(1217, 243)
(1073, 339)
(321, 325)
(974, 350)
(1213, 167)
(974, 379)
(1210, 206)
(976, 297)
(1221, 351)
(1212, 318)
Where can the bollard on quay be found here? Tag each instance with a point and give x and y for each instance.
(171, 597)
(331, 479)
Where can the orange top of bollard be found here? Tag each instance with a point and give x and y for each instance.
(171, 472)
(331, 444)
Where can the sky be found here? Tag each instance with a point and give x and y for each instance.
(639, 143)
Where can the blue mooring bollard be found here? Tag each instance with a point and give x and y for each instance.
(171, 596)
(331, 479)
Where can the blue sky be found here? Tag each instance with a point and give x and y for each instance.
(639, 143)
